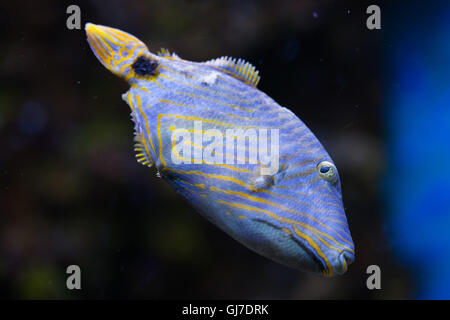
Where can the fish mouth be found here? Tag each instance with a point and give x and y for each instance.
(344, 259)
(114, 48)
(336, 266)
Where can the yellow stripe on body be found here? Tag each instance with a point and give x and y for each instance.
(305, 225)
(233, 168)
(318, 178)
(233, 74)
(198, 185)
(296, 143)
(283, 196)
(138, 99)
(301, 152)
(208, 175)
(184, 187)
(281, 219)
(251, 188)
(228, 156)
(193, 118)
(133, 85)
(153, 79)
(217, 111)
(226, 88)
(331, 195)
(205, 132)
(329, 271)
(210, 89)
(206, 162)
(206, 120)
(303, 173)
(187, 118)
(215, 101)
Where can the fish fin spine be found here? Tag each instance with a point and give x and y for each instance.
(163, 52)
(239, 68)
(141, 152)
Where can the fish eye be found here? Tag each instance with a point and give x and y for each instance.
(327, 171)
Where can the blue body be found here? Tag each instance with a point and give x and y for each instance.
(293, 216)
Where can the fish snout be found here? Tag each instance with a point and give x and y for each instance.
(341, 262)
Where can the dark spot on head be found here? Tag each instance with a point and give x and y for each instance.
(144, 66)
(324, 169)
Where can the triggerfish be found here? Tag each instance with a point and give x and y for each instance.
(279, 194)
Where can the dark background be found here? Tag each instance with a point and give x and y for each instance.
(71, 191)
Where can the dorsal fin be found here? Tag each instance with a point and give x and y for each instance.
(163, 52)
(239, 68)
(141, 154)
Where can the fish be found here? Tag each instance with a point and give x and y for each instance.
(208, 130)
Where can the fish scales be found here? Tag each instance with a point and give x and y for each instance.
(294, 215)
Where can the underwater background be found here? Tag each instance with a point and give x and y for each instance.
(71, 191)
